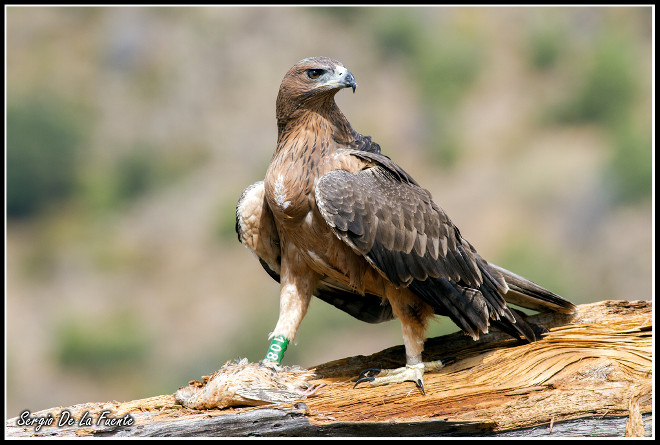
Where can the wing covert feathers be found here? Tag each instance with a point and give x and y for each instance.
(396, 226)
(383, 215)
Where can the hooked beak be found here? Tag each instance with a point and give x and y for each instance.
(342, 79)
(349, 80)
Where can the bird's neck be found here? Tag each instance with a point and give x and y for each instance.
(318, 121)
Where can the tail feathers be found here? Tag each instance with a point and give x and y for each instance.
(471, 310)
(466, 309)
(474, 310)
(525, 293)
(520, 328)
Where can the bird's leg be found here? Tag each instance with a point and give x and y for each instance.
(297, 284)
(275, 352)
(413, 315)
(410, 372)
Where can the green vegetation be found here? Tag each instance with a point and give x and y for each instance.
(607, 88)
(44, 138)
(544, 46)
(607, 95)
(48, 166)
(102, 345)
(129, 176)
(528, 258)
(630, 166)
(224, 224)
(443, 62)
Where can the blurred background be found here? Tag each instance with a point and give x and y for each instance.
(131, 132)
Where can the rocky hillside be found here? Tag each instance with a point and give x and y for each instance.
(132, 131)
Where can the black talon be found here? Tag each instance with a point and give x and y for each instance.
(364, 372)
(420, 385)
(363, 377)
(448, 360)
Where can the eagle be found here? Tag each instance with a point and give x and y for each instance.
(337, 219)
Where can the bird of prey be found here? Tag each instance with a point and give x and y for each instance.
(336, 219)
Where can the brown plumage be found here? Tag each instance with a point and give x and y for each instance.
(241, 383)
(337, 219)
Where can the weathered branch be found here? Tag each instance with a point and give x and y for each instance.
(593, 370)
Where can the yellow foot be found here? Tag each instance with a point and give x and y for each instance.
(408, 373)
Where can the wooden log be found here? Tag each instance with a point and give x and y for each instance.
(590, 376)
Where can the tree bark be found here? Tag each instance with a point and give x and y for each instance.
(590, 376)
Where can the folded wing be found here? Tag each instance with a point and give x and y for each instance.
(385, 216)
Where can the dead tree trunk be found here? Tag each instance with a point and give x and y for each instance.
(590, 376)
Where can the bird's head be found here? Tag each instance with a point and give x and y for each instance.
(312, 81)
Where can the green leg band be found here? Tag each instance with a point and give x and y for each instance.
(276, 349)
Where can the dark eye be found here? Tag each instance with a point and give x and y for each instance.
(314, 73)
